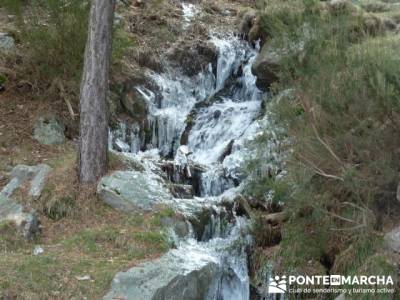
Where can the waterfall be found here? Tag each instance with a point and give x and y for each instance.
(226, 103)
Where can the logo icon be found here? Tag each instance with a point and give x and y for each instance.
(277, 285)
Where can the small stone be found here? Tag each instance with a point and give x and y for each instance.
(6, 41)
(38, 250)
(83, 278)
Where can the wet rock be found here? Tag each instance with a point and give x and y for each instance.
(49, 131)
(174, 276)
(392, 240)
(133, 102)
(132, 190)
(266, 66)
(247, 22)
(6, 41)
(194, 57)
(26, 222)
(182, 191)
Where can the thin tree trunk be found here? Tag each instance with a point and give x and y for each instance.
(94, 87)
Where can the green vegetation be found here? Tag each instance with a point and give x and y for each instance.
(81, 236)
(343, 173)
(52, 35)
(99, 251)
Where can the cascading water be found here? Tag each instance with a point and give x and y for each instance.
(221, 125)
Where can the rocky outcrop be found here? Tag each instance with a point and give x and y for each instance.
(21, 173)
(250, 27)
(134, 104)
(266, 66)
(25, 219)
(193, 57)
(132, 190)
(247, 22)
(49, 131)
(176, 275)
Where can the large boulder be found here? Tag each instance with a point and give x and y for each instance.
(266, 65)
(49, 131)
(178, 275)
(132, 190)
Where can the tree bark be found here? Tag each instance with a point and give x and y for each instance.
(93, 140)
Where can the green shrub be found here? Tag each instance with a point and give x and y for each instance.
(53, 35)
(341, 123)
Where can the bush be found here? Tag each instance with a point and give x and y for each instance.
(341, 125)
(53, 36)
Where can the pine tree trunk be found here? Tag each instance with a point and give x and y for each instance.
(93, 142)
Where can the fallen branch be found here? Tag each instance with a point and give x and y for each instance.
(66, 100)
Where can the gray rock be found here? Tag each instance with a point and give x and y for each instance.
(118, 19)
(273, 53)
(135, 104)
(194, 57)
(38, 182)
(132, 190)
(266, 66)
(398, 192)
(182, 191)
(11, 186)
(49, 131)
(6, 41)
(247, 22)
(21, 173)
(392, 240)
(26, 222)
(176, 275)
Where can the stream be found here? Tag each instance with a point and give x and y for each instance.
(224, 105)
